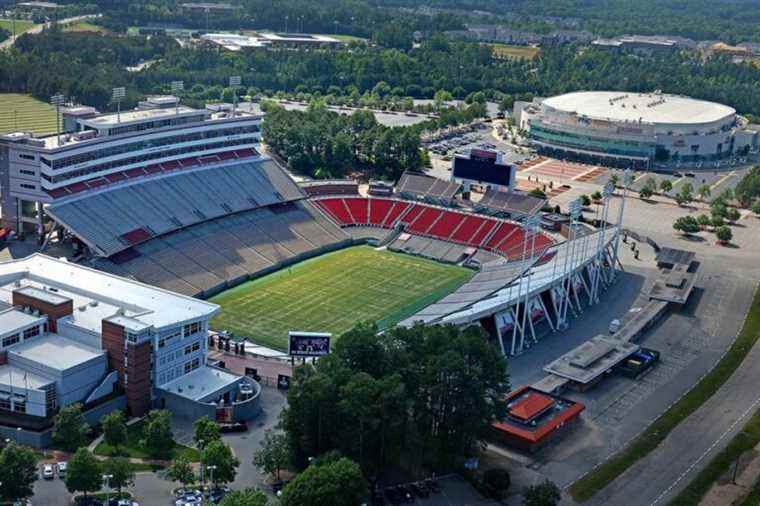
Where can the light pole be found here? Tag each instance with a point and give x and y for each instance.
(117, 95)
(235, 82)
(18, 434)
(177, 87)
(57, 101)
(107, 479)
(210, 469)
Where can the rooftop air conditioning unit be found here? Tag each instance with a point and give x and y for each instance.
(83, 307)
(94, 303)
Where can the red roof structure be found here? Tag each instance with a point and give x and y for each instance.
(534, 417)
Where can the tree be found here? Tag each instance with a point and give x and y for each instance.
(685, 196)
(122, 474)
(543, 494)
(337, 482)
(703, 221)
(157, 433)
(614, 179)
(218, 454)
(687, 225)
(497, 482)
(206, 431)
(71, 430)
(724, 234)
(733, 214)
(84, 473)
(756, 207)
(425, 393)
(704, 191)
(597, 196)
(275, 453)
(717, 221)
(114, 429)
(646, 191)
(18, 472)
(538, 193)
(181, 471)
(666, 186)
(246, 497)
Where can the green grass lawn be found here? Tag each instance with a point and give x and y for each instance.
(333, 292)
(22, 25)
(647, 441)
(134, 449)
(25, 113)
(83, 26)
(510, 51)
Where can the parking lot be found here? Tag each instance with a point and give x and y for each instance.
(452, 490)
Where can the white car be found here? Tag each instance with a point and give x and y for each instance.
(47, 472)
(614, 326)
(62, 467)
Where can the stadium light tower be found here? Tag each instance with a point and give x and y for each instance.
(177, 87)
(627, 180)
(531, 226)
(117, 96)
(235, 82)
(575, 208)
(57, 101)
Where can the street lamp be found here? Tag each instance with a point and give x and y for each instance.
(18, 434)
(107, 478)
(210, 469)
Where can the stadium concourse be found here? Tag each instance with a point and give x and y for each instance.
(201, 228)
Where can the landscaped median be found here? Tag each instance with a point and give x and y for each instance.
(647, 441)
(134, 448)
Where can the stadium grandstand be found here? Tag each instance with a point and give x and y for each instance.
(421, 187)
(183, 199)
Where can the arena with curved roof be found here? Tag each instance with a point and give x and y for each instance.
(625, 128)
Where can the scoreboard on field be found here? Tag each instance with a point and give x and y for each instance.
(308, 344)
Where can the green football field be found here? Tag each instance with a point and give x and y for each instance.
(26, 114)
(333, 292)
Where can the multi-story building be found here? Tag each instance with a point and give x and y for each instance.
(631, 128)
(95, 151)
(74, 334)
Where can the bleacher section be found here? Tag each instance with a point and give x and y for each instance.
(418, 186)
(330, 187)
(504, 238)
(126, 215)
(208, 257)
(513, 202)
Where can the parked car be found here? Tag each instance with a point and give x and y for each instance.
(215, 495)
(615, 326)
(226, 428)
(62, 467)
(47, 472)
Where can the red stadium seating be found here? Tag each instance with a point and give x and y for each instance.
(116, 177)
(425, 219)
(504, 237)
(394, 213)
(227, 155)
(358, 209)
(378, 210)
(337, 209)
(446, 224)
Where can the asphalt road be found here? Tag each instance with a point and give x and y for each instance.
(38, 28)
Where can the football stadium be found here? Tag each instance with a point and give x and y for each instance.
(185, 200)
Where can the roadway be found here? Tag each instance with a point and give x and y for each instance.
(38, 28)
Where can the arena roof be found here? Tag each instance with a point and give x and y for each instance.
(654, 108)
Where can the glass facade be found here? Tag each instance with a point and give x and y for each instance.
(578, 141)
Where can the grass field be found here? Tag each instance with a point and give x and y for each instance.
(22, 25)
(24, 113)
(83, 26)
(510, 51)
(583, 489)
(333, 292)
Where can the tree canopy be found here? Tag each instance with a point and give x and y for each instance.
(84, 473)
(338, 482)
(71, 430)
(423, 396)
(18, 472)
